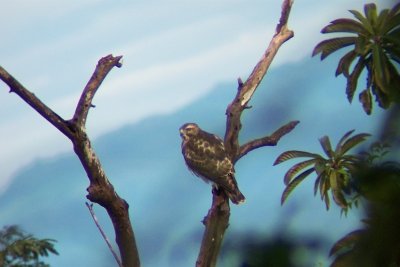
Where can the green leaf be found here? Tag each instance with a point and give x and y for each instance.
(323, 189)
(294, 154)
(391, 24)
(346, 242)
(316, 183)
(345, 62)
(326, 146)
(392, 47)
(326, 199)
(329, 46)
(363, 46)
(352, 142)
(320, 166)
(341, 141)
(337, 190)
(344, 25)
(363, 21)
(353, 79)
(295, 169)
(371, 13)
(381, 21)
(382, 99)
(365, 98)
(395, 10)
(289, 188)
(381, 71)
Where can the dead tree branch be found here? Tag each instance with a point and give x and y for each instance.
(271, 140)
(217, 219)
(100, 189)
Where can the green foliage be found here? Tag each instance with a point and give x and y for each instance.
(333, 173)
(376, 48)
(18, 249)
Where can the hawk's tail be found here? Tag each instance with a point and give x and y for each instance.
(232, 190)
(236, 196)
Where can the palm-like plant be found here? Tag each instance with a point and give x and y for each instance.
(376, 49)
(20, 249)
(333, 172)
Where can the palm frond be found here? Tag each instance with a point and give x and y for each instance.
(382, 99)
(324, 186)
(326, 199)
(295, 169)
(382, 21)
(371, 14)
(346, 242)
(329, 46)
(345, 62)
(363, 21)
(352, 142)
(289, 188)
(363, 46)
(393, 47)
(316, 183)
(344, 25)
(341, 141)
(337, 190)
(326, 146)
(381, 71)
(392, 20)
(365, 98)
(353, 79)
(290, 154)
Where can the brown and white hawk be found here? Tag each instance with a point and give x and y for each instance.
(206, 157)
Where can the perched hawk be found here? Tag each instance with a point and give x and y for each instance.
(205, 155)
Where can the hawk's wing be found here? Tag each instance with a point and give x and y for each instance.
(205, 156)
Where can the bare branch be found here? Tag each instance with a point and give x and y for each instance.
(271, 140)
(246, 90)
(216, 222)
(103, 234)
(35, 103)
(283, 21)
(103, 67)
(100, 189)
(217, 219)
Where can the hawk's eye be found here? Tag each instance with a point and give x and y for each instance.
(189, 128)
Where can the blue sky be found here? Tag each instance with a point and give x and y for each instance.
(174, 52)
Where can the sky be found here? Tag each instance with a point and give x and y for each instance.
(173, 53)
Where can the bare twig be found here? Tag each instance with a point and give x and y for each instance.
(247, 89)
(217, 219)
(34, 102)
(85, 102)
(100, 189)
(90, 207)
(271, 140)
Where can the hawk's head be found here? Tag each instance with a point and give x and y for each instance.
(189, 130)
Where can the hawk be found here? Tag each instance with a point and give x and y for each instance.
(205, 155)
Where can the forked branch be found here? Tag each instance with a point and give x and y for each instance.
(247, 89)
(217, 219)
(100, 189)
